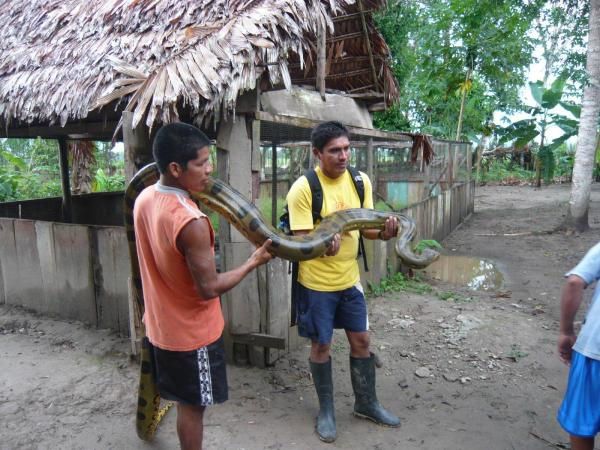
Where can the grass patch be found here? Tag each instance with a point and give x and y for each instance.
(398, 282)
(427, 243)
(449, 296)
(516, 353)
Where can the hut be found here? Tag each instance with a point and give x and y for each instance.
(245, 71)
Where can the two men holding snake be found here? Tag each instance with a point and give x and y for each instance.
(175, 246)
(329, 292)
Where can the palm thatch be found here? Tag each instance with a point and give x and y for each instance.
(62, 59)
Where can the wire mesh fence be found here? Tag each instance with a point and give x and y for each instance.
(399, 173)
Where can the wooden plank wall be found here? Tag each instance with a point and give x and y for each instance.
(69, 271)
(80, 272)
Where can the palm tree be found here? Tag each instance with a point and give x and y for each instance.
(82, 158)
(579, 202)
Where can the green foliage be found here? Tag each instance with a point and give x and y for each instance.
(108, 169)
(28, 169)
(564, 159)
(398, 282)
(265, 207)
(108, 183)
(522, 132)
(389, 205)
(443, 49)
(504, 170)
(560, 30)
(427, 243)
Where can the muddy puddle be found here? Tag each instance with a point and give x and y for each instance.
(477, 274)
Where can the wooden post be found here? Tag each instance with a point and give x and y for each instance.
(321, 59)
(138, 151)
(478, 163)
(369, 50)
(469, 162)
(370, 171)
(67, 211)
(274, 183)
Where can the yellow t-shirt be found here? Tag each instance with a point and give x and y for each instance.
(328, 273)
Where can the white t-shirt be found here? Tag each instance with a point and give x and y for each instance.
(588, 269)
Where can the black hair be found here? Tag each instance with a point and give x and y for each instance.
(326, 131)
(177, 142)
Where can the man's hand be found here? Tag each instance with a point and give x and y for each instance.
(571, 296)
(565, 347)
(390, 230)
(262, 254)
(334, 248)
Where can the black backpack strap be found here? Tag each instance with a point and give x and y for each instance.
(317, 194)
(294, 299)
(317, 204)
(359, 185)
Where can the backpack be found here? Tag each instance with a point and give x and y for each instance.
(317, 203)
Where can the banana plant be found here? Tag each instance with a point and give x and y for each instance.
(524, 131)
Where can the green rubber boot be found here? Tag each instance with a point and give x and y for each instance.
(321, 373)
(366, 406)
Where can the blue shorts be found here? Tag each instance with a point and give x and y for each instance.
(579, 413)
(320, 312)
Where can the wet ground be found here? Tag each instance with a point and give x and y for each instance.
(464, 368)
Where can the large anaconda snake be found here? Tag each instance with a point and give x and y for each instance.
(244, 216)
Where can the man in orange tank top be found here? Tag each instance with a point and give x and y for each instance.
(175, 244)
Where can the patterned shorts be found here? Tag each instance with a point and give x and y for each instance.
(197, 377)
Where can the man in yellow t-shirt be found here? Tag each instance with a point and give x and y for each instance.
(329, 293)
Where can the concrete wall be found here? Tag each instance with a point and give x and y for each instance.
(298, 102)
(68, 271)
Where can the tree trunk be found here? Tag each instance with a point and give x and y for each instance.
(586, 140)
(462, 105)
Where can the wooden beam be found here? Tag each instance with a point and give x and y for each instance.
(136, 140)
(321, 60)
(351, 16)
(343, 37)
(343, 60)
(353, 73)
(67, 211)
(259, 340)
(99, 131)
(368, 42)
(309, 123)
(370, 163)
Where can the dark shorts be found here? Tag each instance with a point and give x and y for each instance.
(319, 312)
(197, 377)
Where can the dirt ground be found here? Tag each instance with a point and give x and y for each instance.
(477, 370)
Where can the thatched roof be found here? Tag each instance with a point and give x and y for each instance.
(62, 60)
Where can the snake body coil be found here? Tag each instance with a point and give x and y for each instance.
(247, 219)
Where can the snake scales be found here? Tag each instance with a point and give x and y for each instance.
(244, 216)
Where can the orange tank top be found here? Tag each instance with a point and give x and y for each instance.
(176, 317)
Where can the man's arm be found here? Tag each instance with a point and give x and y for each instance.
(572, 294)
(194, 243)
(389, 231)
(333, 249)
